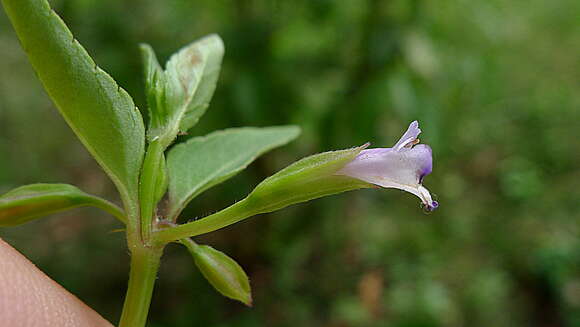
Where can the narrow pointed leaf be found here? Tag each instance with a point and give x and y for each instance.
(162, 180)
(29, 202)
(101, 113)
(203, 162)
(155, 92)
(222, 272)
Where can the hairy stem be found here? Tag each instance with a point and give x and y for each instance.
(144, 266)
(230, 215)
(144, 257)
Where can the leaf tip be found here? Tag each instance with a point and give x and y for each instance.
(249, 301)
(215, 38)
(296, 130)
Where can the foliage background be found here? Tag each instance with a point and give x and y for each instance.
(494, 84)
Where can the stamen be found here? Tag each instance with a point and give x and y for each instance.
(411, 143)
(429, 208)
(428, 203)
(408, 143)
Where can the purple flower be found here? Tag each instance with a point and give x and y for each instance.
(403, 166)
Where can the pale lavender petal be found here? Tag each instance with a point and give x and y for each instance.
(408, 165)
(403, 169)
(410, 135)
(423, 155)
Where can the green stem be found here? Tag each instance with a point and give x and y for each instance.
(144, 258)
(189, 244)
(150, 176)
(144, 266)
(230, 215)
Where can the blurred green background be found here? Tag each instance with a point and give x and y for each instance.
(494, 84)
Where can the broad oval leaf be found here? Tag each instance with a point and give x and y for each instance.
(203, 162)
(33, 201)
(100, 112)
(222, 272)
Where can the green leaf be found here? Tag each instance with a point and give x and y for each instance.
(28, 202)
(180, 95)
(100, 112)
(155, 92)
(203, 162)
(162, 180)
(221, 271)
(310, 178)
(192, 75)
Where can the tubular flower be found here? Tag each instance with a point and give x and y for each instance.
(403, 166)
